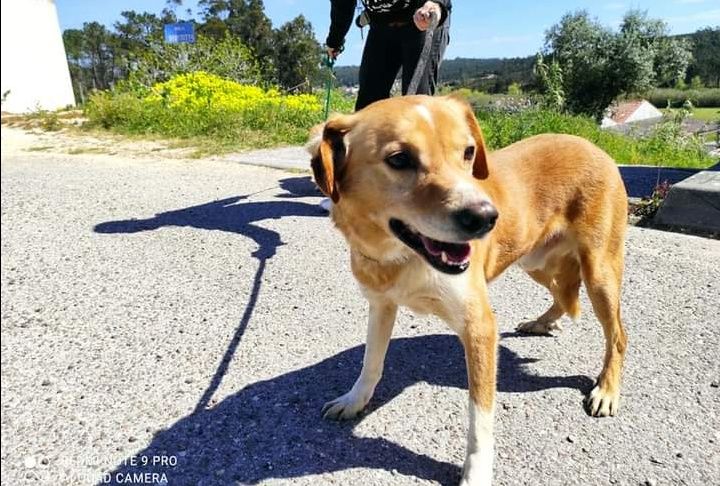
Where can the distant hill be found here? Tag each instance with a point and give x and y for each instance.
(490, 75)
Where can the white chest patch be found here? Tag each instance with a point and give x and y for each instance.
(426, 291)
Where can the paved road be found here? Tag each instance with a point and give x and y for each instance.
(187, 320)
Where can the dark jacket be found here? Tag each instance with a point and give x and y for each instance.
(379, 11)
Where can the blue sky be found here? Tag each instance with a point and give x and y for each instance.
(479, 28)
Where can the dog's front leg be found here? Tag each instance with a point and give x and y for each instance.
(479, 338)
(380, 325)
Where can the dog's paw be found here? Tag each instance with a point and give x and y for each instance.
(345, 407)
(472, 482)
(477, 474)
(602, 403)
(539, 327)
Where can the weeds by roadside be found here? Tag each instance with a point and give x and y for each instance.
(643, 211)
(203, 105)
(666, 146)
(209, 115)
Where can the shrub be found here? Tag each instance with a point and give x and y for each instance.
(514, 89)
(227, 57)
(666, 146)
(202, 104)
(700, 98)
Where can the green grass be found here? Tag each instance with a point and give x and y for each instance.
(706, 114)
(703, 114)
(666, 147)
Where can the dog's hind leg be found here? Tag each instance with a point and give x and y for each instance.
(564, 284)
(380, 325)
(602, 274)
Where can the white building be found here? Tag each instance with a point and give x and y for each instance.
(630, 111)
(34, 68)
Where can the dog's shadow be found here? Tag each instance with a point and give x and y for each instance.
(273, 428)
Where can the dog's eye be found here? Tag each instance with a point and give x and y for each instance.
(469, 153)
(400, 161)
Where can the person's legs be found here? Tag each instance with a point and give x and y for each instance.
(413, 42)
(379, 66)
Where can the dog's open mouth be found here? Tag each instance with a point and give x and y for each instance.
(452, 258)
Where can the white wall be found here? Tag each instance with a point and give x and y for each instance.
(34, 67)
(645, 111)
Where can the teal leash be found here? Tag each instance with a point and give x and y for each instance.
(329, 63)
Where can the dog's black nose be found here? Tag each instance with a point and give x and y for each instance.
(476, 220)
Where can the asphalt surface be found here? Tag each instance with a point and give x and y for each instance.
(185, 322)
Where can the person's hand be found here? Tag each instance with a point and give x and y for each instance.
(333, 53)
(422, 15)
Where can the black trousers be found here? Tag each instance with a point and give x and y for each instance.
(387, 49)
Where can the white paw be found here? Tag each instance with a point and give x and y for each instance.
(345, 407)
(476, 475)
(472, 482)
(539, 327)
(326, 204)
(601, 403)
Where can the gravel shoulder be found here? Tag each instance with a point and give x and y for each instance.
(185, 320)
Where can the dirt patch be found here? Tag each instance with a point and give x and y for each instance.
(76, 141)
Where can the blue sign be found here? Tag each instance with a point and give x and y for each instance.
(180, 32)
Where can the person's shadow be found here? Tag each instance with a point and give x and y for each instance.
(235, 215)
(273, 428)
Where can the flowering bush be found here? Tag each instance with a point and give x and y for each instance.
(258, 108)
(204, 104)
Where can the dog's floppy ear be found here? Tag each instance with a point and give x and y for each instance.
(327, 148)
(480, 165)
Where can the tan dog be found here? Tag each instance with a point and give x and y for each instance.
(431, 218)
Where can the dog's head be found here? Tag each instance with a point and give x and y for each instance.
(406, 172)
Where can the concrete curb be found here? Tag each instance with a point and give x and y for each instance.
(693, 203)
(286, 158)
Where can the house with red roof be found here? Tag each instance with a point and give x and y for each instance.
(629, 112)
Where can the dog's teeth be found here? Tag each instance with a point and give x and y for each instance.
(444, 257)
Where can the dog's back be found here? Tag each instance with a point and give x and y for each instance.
(549, 187)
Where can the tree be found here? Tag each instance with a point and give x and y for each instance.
(235, 40)
(296, 54)
(246, 20)
(706, 54)
(136, 33)
(664, 59)
(598, 65)
(581, 49)
(74, 50)
(92, 50)
(228, 58)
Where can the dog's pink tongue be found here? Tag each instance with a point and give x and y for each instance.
(433, 247)
(455, 252)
